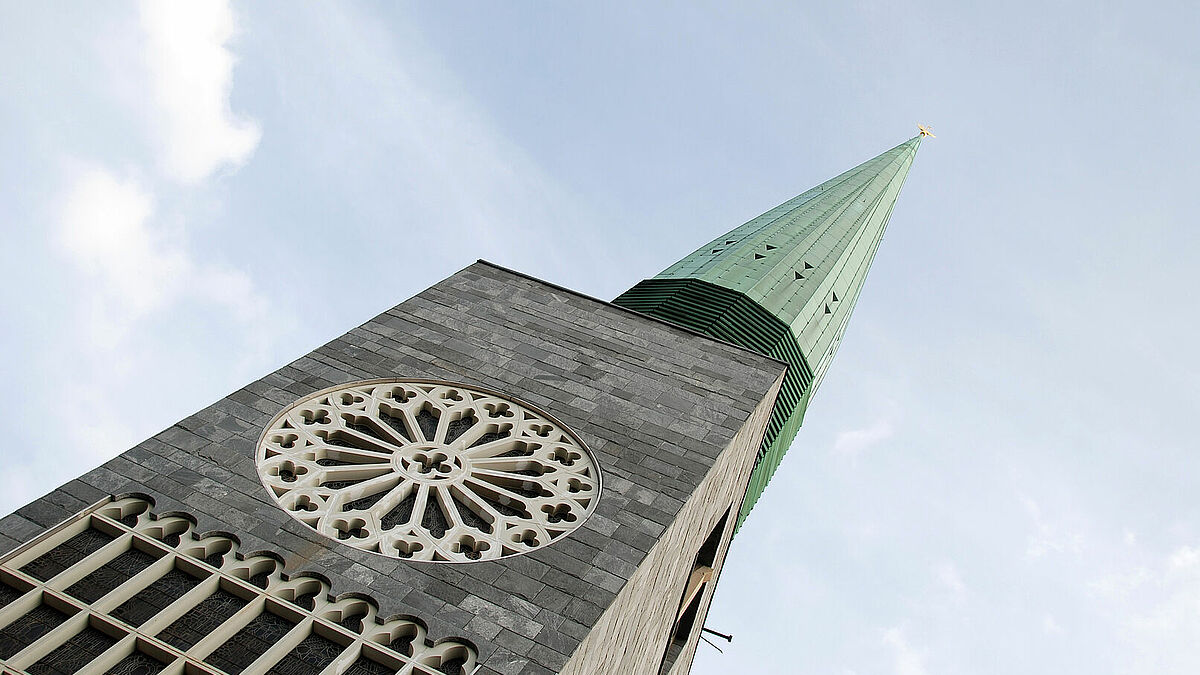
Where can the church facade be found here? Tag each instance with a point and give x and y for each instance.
(496, 476)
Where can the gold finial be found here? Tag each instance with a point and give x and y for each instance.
(925, 131)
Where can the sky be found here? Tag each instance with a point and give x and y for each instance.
(999, 473)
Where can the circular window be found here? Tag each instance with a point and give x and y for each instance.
(428, 470)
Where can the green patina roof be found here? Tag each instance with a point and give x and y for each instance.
(784, 284)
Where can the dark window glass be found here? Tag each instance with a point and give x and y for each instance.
(310, 656)
(249, 643)
(201, 620)
(66, 554)
(452, 667)
(8, 594)
(354, 620)
(114, 573)
(73, 654)
(155, 597)
(136, 663)
(403, 644)
(365, 666)
(26, 630)
(307, 600)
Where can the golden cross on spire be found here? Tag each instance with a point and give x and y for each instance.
(925, 131)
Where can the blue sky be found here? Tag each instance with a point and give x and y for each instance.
(999, 474)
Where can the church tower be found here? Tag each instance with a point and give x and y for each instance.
(498, 476)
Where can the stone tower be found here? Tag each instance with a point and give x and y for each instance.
(497, 476)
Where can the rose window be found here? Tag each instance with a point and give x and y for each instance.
(428, 470)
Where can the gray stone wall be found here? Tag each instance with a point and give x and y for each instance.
(631, 636)
(658, 405)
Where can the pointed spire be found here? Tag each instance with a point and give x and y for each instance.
(784, 284)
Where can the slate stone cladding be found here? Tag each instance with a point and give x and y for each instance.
(655, 403)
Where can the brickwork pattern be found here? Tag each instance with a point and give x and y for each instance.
(656, 404)
(651, 596)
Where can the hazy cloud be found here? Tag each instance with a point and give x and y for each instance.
(134, 265)
(105, 229)
(191, 78)
(906, 659)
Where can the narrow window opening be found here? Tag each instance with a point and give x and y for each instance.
(697, 584)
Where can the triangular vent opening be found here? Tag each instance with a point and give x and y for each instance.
(799, 276)
(731, 241)
(771, 248)
(835, 297)
(759, 256)
(808, 267)
(718, 250)
(827, 310)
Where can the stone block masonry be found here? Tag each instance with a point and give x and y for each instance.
(659, 406)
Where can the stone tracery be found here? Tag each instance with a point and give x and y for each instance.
(427, 470)
(186, 602)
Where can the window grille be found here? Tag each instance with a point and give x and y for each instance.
(115, 590)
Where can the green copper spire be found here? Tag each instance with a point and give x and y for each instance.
(784, 284)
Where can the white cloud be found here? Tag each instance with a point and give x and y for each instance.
(191, 75)
(136, 280)
(1185, 559)
(906, 659)
(104, 228)
(131, 263)
(853, 443)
